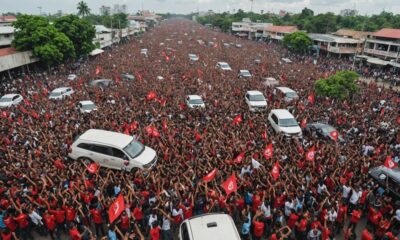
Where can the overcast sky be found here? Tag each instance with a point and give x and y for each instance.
(186, 6)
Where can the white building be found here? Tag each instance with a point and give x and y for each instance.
(249, 29)
(6, 36)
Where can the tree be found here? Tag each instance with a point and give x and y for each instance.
(298, 41)
(79, 31)
(120, 20)
(83, 9)
(341, 85)
(46, 42)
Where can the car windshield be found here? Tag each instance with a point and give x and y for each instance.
(287, 122)
(224, 65)
(256, 98)
(5, 99)
(196, 101)
(291, 94)
(89, 106)
(55, 94)
(134, 148)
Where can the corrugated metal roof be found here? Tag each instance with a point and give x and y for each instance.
(282, 29)
(352, 33)
(332, 38)
(388, 33)
(7, 51)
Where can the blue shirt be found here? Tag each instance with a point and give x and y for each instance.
(112, 235)
(246, 226)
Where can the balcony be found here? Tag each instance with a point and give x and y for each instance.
(342, 50)
(380, 53)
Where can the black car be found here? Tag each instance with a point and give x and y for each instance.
(387, 178)
(322, 130)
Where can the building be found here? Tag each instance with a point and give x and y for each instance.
(349, 33)
(105, 10)
(384, 44)
(249, 29)
(10, 58)
(278, 32)
(120, 8)
(333, 44)
(348, 12)
(7, 20)
(6, 36)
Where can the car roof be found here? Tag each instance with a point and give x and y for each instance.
(192, 54)
(282, 113)
(72, 75)
(193, 97)
(60, 89)
(254, 92)
(222, 63)
(394, 173)
(106, 137)
(285, 89)
(244, 71)
(86, 102)
(11, 95)
(101, 80)
(225, 227)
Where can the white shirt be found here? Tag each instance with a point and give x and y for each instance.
(321, 189)
(332, 215)
(288, 207)
(152, 218)
(355, 196)
(36, 218)
(166, 224)
(176, 213)
(266, 210)
(346, 191)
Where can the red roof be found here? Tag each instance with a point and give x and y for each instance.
(388, 33)
(282, 29)
(7, 51)
(8, 18)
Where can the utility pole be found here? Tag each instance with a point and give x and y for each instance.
(251, 6)
(40, 11)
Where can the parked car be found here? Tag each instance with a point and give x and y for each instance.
(270, 82)
(226, 45)
(223, 66)
(286, 60)
(256, 101)
(282, 121)
(10, 99)
(195, 101)
(257, 61)
(244, 74)
(86, 106)
(61, 93)
(112, 150)
(144, 51)
(286, 93)
(127, 77)
(212, 226)
(387, 178)
(101, 83)
(193, 57)
(322, 130)
(72, 77)
(238, 45)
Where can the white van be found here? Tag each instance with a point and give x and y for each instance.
(256, 101)
(60, 93)
(112, 150)
(282, 121)
(286, 93)
(213, 226)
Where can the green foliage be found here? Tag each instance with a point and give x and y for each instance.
(79, 31)
(83, 9)
(45, 40)
(341, 85)
(297, 41)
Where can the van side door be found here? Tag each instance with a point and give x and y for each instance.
(118, 158)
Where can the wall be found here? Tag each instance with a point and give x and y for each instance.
(16, 60)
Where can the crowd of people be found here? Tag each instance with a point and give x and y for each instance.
(45, 194)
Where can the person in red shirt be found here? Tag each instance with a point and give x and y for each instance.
(124, 223)
(341, 215)
(8, 235)
(354, 217)
(70, 213)
(74, 233)
(366, 235)
(258, 226)
(155, 231)
(291, 222)
(24, 230)
(96, 214)
(50, 222)
(301, 227)
(383, 226)
(9, 222)
(138, 216)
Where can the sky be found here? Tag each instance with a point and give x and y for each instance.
(364, 7)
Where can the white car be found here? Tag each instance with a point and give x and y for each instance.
(223, 66)
(112, 150)
(143, 51)
(193, 57)
(270, 82)
(72, 77)
(211, 226)
(256, 101)
(86, 106)
(282, 121)
(61, 93)
(195, 101)
(226, 45)
(287, 93)
(10, 99)
(239, 45)
(244, 74)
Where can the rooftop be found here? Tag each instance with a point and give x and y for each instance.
(8, 18)
(7, 51)
(107, 137)
(332, 38)
(388, 33)
(282, 113)
(352, 33)
(282, 29)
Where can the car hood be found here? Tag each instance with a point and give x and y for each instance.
(291, 130)
(5, 104)
(258, 103)
(146, 156)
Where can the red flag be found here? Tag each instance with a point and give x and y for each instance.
(389, 163)
(116, 208)
(45, 91)
(264, 135)
(210, 176)
(133, 126)
(268, 151)
(4, 114)
(151, 95)
(197, 136)
(310, 155)
(238, 119)
(311, 98)
(152, 131)
(117, 79)
(164, 125)
(47, 116)
(98, 70)
(334, 134)
(230, 185)
(92, 168)
(59, 165)
(239, 158)
(275, 171)
(251, 125)
(34, 115)
(382, 112)
(303, 123)
(200, 73)
(182, 106)
(162, 101)
(126, 131)
(26, 101)
(20, 120)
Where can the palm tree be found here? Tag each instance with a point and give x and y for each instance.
(83, 9)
